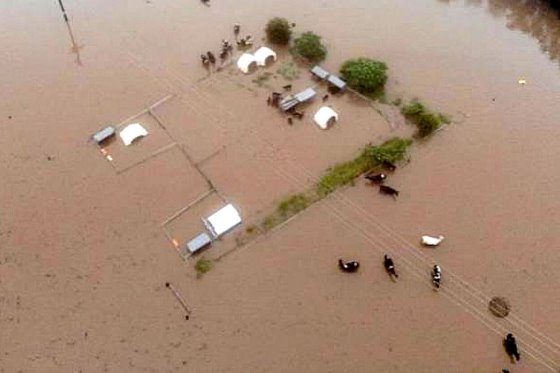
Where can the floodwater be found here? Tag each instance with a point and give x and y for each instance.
(83, 258)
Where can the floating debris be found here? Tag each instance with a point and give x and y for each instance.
(499, 306)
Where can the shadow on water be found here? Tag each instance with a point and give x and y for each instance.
(538, 18)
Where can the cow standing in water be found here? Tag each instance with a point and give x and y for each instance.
(436, 276)
(389, 166)
(351, 266)
(376, 178)
(390, 267)
(510, 345)
(384, 189)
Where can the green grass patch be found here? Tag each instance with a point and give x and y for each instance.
(343, 174)
(262, 78)
(292, 205)
(287, 208)
(203, 265)
(372, 156)
(426, 121)
(289, 71)
(392, 150)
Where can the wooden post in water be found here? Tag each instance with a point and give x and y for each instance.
(63, 10)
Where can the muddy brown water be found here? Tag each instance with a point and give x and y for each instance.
(82, 251)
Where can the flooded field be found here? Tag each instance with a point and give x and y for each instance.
(84, 257)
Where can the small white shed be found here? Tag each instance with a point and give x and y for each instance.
(325, 117)
(263, 55)
(132, 132)
(246, 62)
(222, 220)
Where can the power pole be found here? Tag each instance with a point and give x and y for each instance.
(63, 10)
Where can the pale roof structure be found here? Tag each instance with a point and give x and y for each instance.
(132, 132)
(324, 116)
(262, 54)
(245, 61)
(222, 220)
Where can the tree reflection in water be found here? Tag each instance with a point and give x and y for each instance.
(538, 18)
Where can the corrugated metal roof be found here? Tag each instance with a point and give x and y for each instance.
(198, 242)
(104, 134)
(319, 72)
(305, 95)
(337, 82)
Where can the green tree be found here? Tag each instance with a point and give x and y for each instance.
(278, 31)
(364, 75)
(308, 45)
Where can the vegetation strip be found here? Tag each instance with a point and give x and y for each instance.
(371, 158)
(426, 121)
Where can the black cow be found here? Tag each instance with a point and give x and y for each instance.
(389, 166)
(390, 266)
(351, 266)
(389, 191)
(436, 276)
(211, 57)
(511, 347)
(376, 178)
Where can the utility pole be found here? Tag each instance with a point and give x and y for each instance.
(63, 10)
(75, 47)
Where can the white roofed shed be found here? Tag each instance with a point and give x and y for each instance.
(246, 62)
(222, 220)
(263, 54)
(325, 117)
(132, 132)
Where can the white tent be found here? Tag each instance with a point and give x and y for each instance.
(132, 132)
(222, 220)
(245, 61)
(324, 116)
(263, 54)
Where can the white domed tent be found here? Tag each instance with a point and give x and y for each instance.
(325, 116)
(246, 62)
(132, 132)
(263, 54)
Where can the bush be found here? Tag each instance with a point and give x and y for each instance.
(426, 122)
(308, 45)
(392, 150)
(343, 174)
(203, 265)
(278, 31)
(292, 205)
(364, 75)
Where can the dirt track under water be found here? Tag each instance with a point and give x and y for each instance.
(83, 258)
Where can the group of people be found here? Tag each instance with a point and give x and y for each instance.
(510, 344)
(209, 58)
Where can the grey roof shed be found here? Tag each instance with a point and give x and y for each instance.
(337, 82)
(104, 134)
(319, 72)
(291, 101)
(197, 243)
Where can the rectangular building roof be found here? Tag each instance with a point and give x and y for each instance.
(319, 72)
(305, 95)
(336, 81)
